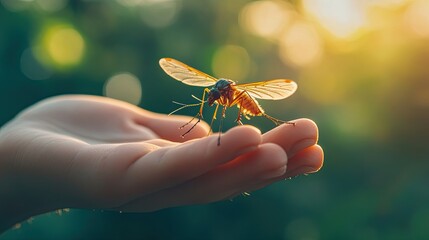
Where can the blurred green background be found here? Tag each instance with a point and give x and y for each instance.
(363, 73)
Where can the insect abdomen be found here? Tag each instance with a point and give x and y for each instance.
(249, 106)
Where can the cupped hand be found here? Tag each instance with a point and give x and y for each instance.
(94, 152)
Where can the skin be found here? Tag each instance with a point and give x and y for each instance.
(98, 153)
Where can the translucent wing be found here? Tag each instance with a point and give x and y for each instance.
(271, 89)
(185, 73)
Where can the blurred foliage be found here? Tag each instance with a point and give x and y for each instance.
(363, 76)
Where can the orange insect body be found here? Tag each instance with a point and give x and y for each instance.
(248, 105)
(230, 96)
(227, 93)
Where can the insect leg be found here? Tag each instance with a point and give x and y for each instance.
(199, 114)
(236, 100)
(213, 118)
(221, 124)
(277, 121)
(202, 101)
(190, 129)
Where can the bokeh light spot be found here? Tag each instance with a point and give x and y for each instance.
(64, 45)
(125, 87)
(265, 18)
(231, 61)
(300, 45)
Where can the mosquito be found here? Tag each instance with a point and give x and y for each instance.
(227, 93)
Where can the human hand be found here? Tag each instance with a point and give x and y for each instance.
(95, 152)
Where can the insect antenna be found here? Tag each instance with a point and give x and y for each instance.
(182, 106)
(201, 101)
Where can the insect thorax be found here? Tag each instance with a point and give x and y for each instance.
(222, 83)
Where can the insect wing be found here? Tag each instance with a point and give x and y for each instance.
(185, 73)
(271, 89)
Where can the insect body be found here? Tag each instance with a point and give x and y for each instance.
(227, 93)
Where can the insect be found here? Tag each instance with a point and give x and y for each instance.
(227, 93)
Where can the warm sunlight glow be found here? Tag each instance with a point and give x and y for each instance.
(300, 45)
(265, 18)
(342, 18)
(416, 18)
(125, 87)
(231, 61)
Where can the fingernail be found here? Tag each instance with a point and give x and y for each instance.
(305, 143)
(275, 173)
(304, 170)
(307, 169)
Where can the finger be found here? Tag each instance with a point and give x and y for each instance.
(309, 160)
(306, 161)
(168, 167)
(266, 162)
(161, 142)
(169, 127)
(293, 138)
